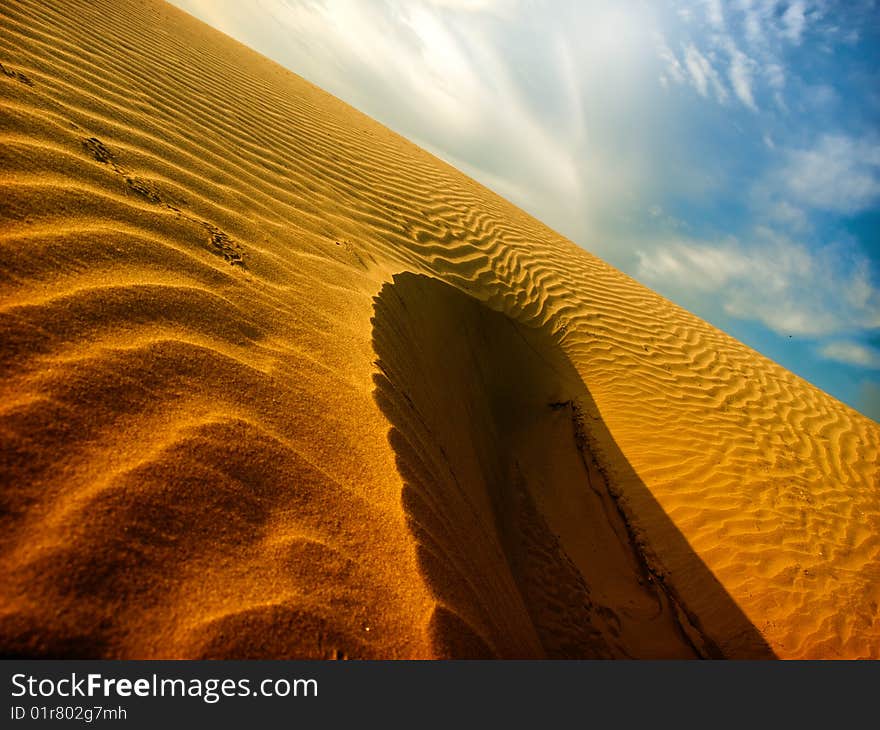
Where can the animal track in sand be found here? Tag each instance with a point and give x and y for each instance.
(17, 75)
(221, 244)
(96, 148)
(224, 245)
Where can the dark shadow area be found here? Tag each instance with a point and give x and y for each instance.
(521, 502)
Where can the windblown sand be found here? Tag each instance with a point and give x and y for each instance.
(278, 383)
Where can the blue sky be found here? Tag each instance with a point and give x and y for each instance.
(726, 154)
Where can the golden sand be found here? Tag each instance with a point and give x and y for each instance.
(278, 383)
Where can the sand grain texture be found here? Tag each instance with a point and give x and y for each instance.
(278, 383)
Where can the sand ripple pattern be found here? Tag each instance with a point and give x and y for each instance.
(194, 462)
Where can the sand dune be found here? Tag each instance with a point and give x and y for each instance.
(278, 383)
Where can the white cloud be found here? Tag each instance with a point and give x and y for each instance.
(751, 46)
(741, 76)
(698, 67)
(794, 21)
(756, 17)
(775, 75)
(791, 216)
(764, 24)
(674, 69)
(785, 285)
(715, 14)
(754, 34)
(819, 95)
(839, 174)
(703, 74)
(851, 353)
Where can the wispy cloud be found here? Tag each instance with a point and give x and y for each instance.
(794, 21)
(715, 14)
(753, 34)
(741, 67)
(772, 21)
(851, 353)
(756, 18)
(788, 287)
(703, 74)
(672, 66)
(839, 174)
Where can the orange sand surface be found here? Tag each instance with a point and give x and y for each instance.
(278, 383)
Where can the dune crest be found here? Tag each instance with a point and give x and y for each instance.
(278, 383)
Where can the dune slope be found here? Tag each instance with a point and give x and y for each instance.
(278, 383)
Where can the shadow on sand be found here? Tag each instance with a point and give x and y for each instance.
(520, 500)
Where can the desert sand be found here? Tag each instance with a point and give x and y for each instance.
(278, 383)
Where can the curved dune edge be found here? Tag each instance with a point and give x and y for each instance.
(278, 383)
